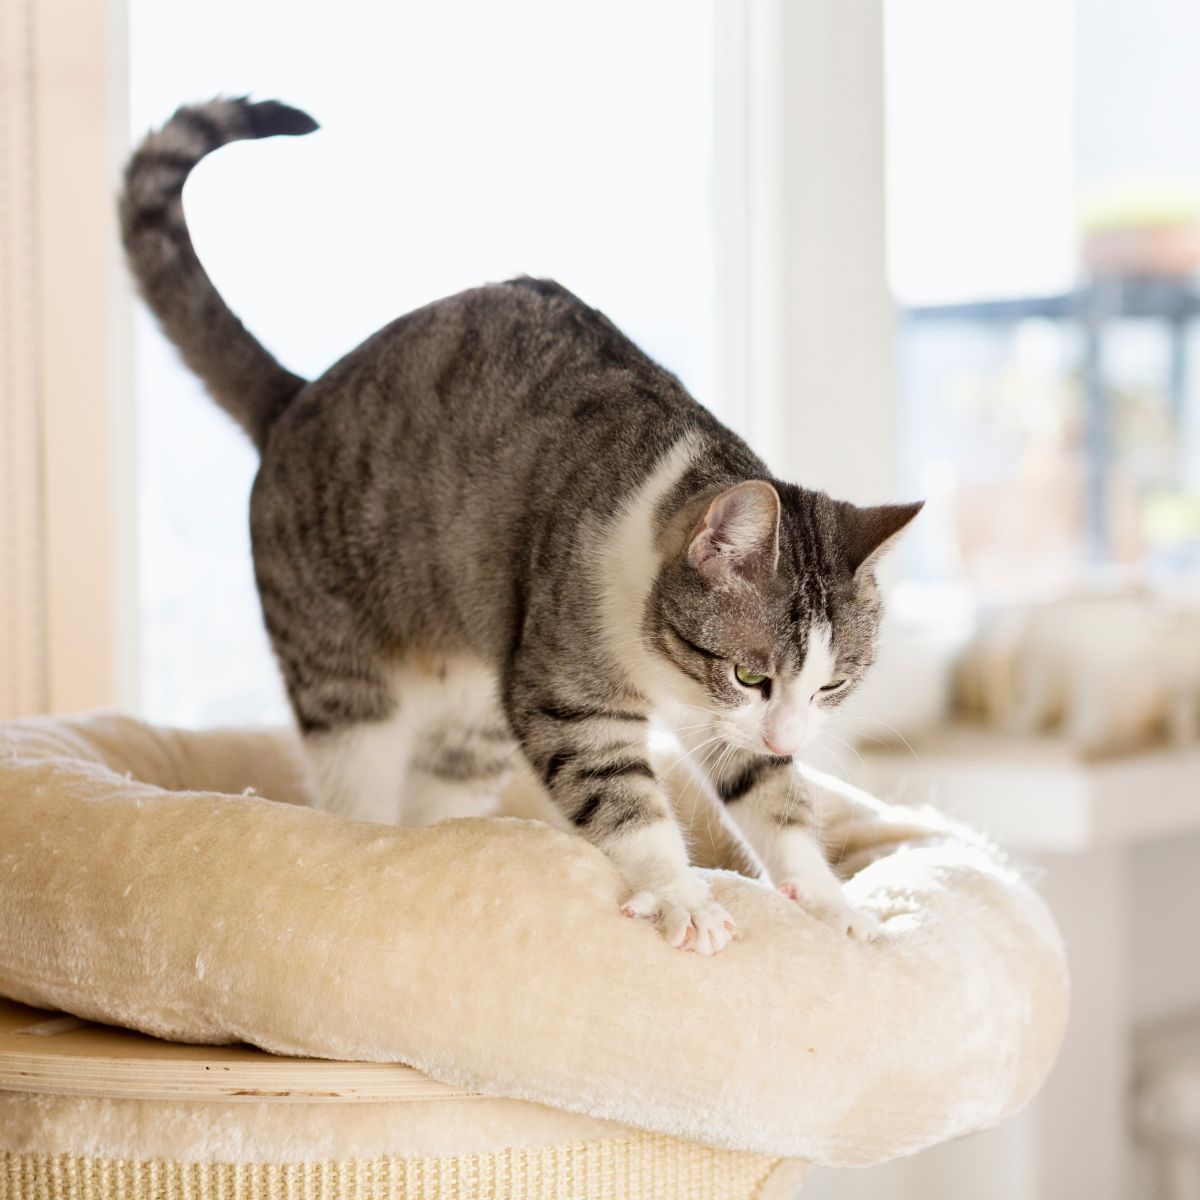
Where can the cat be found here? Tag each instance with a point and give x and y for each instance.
(497, 527)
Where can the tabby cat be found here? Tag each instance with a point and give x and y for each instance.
(497, 525)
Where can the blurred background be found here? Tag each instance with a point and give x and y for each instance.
(909, 248)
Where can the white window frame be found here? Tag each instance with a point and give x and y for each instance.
(803, 303)
(802, 276)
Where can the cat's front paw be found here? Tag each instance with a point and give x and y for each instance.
(833, 911)
(688, 921)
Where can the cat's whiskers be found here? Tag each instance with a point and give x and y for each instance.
(847, 833)
(690, 752)
(706, 775)
(715, 774)
(681, 797)
(792, 792)
(870, 737)
(841, 854)
(715, 745)
(838, 759)
(843, 742)
(688, 728)
(876, 721)
(701, 708)
(711, 713)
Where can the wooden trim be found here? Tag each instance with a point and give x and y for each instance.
(82, 318)
(45, 1053)
(22, 585)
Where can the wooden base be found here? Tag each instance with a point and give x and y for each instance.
(49, 1053)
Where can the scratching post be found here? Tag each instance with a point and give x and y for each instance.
(489, 1024)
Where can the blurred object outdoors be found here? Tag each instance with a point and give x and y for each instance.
(1166, 1111)
(412, 190)
(1044, 257)
(1141, 229)
(1110, 673)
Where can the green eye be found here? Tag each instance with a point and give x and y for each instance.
(748, 677)
(833, 686)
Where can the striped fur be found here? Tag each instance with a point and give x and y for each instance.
(497, 526)
(241, 376)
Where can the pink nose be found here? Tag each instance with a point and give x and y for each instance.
(780, 749)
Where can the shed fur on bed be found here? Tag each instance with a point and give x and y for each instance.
(148, 878)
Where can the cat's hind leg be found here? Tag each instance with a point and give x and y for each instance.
(464, 751)
(356, 733)
(359, 769)
(441, 749)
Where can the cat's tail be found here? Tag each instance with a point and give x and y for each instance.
(239, 373)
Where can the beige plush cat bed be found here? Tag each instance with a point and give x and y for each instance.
(147, 881)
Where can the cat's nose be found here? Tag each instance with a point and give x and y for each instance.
(781, 747)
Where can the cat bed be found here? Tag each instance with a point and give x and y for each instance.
(146, 880)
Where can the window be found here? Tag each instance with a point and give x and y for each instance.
(461, 142)
(1043, 243)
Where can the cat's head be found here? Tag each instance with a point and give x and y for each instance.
(767, 610)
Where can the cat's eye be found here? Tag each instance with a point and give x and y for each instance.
(748, 677)
(832, 685)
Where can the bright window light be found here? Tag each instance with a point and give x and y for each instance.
(461, 142)
(979, 101)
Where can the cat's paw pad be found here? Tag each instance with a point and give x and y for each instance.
(834, 912)
(703, 926)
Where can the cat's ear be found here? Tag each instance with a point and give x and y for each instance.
(739, 533)
(868, 532)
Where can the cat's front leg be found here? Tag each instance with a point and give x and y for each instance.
(770, 801)
(593, 759)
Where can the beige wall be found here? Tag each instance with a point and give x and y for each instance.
(66, 454)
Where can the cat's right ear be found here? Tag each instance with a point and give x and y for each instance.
(738, 534)
(868, 532)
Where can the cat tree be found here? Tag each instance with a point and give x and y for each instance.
(552, 1048)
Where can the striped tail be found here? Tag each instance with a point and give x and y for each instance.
(240, 374)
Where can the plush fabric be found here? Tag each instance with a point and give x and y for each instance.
(140, 886)
(219, 1131)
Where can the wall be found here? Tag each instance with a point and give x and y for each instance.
(67, 583)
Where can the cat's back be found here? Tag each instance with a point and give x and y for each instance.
(488, 399)
(437, 461)
(525, 353)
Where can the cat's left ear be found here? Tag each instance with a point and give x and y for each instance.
(868, 532)
(739, 533)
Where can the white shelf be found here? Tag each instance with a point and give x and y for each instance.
(1039, 795)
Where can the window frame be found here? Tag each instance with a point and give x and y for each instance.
(806, 354)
